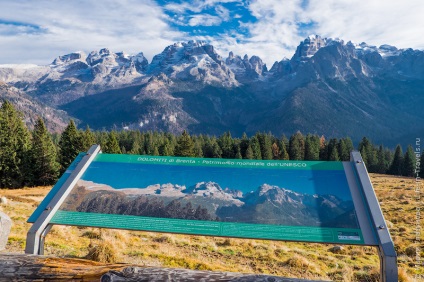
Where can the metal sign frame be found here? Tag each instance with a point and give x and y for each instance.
(370, 217)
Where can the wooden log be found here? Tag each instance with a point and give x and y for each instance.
(156, 274)
(23, 267)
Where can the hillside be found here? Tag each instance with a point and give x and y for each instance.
(301, 260)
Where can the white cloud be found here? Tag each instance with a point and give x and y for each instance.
(196, 6)
(130, 25)
(204, 20)
(278, 29)
(54, 28)
(377, 22)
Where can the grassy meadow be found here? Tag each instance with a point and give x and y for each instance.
(397, 198)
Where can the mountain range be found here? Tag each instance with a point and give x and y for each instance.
(329, 87)
(268, 204)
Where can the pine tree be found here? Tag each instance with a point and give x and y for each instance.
(256, 148)
(284, 155)
(334, 154)
(212, 149)
(14, 147)
(225, 142)
(45, 168)
(345, 146)
(112, 145)
(198, 152)
(297, 147)
(369, 154)
(185, 146)
(265, 145)
(249, 153)
(409, 162)
(381, 160)
(70, 145)
(421, 173)
(88, 138)
(397, 163)
(312, 143)
(238, 152)
(244, 143)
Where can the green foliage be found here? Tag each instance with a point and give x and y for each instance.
(14, 147)
(249, 153)
(265, 145)
(382, 164)
(226, 142)
(334, 155)
(112, 145)
(212, 149)
(345, 146)
(297, 146)
(70, 145)
(256, 148)
(44, 165)
(397, 163)
(312, 147)
(409, 162)
(88, 138)
(185, 146)
(23, 162)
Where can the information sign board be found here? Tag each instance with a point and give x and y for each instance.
(305, 201)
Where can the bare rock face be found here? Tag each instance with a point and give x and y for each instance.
(5, 225)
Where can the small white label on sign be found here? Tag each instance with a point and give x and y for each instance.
(343, 237)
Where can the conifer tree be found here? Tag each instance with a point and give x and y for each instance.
(265, 145)
(45, 168)
(409, 162)
(185, 146)
(312, 147)
(70, 145)
(236, 149)
(284, 155)
(244, 143)
(421, 173)
(198, 152)
(238, 152)
(225, 142)
(256, 148)
(297, 146)
(212, 149)
(382, 165)
(112, 145)
(249, 153)
(397, 163)
(369, 154)
(345, 146)
(332, 144)
(88, 138)
(166, 148)
(14, 147)
(334, 154)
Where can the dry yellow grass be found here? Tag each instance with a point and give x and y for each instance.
(303, 260)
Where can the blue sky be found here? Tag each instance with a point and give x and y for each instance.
(38, 31)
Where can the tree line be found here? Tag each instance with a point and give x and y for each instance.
(37, 157)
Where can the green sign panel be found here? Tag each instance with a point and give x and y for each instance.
(282, 200)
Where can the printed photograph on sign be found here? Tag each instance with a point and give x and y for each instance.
(289, 197)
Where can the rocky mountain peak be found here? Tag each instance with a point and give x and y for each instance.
(76, 56)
